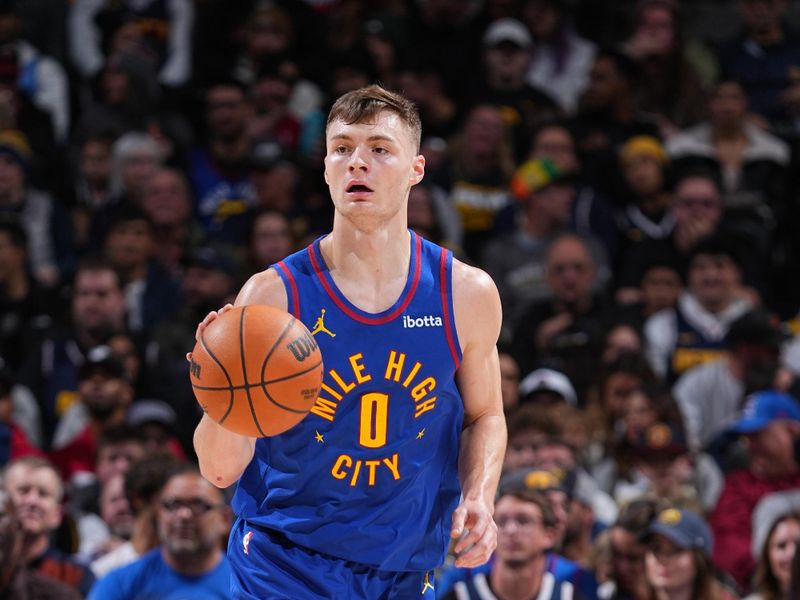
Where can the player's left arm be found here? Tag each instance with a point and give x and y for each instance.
(478, 317)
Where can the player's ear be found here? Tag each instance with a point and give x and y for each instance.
(417, 169)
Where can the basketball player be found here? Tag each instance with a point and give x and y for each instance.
(404, 445)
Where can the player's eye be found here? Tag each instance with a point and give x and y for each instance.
(341, 150)
(380, 150)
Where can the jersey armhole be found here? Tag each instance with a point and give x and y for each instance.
(290, 284)
(446, 294)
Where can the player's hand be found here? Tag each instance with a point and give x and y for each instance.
(476, 547)
(206, 322)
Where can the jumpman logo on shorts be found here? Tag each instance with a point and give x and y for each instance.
(427, 585)
(319, 326)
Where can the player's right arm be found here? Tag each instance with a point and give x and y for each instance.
(223, 455)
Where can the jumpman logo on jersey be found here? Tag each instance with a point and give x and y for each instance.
(426, 585)
(246, 542)
(319, 326)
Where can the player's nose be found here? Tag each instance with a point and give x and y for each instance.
(358, 160)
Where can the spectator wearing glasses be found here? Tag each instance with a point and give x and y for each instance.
(191, 518)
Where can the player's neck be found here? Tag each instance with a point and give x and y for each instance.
(382, 254)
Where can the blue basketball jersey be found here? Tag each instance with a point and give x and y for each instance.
(370, 474)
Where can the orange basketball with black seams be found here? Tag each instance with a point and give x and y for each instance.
(256, 370)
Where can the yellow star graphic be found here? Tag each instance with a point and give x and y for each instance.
(421, 434)
(319, 437)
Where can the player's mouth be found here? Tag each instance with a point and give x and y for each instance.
(358, 189)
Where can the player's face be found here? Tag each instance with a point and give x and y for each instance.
(190, 516)
(370, 168)
(35, 491)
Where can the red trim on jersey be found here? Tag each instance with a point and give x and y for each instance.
(295, 299)
(315, 261)
(448, 327)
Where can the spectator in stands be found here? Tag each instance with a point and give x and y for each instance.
(561, 57)
(749, 162)
(151, 292)
(525, 525)
(40, 77)
(92, 183)
(697, 207)
(26, 306)
(694, 331)
(592, 216)
(506, 56)
(168, 203)
(274, 177)
(17, 580)
(669, 86)
(50, 252)
(608, 116)
(143, 482)
(477, 175)
(163, 31)
(104, 394)
(217, 169)
(509, 380)
(710, 395)
(97, 312)
(16, 421)
(771, 422)
(678, 558)
(627, 578)
(36, 490)
(763, 57)
(155, 422)
(516, 261)
(115, 510)
(568, 327)
(776, 535)
(191, 517)
(270, 239)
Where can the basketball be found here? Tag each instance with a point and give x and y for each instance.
(256, 370)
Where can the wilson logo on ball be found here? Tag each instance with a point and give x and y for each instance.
(194, 369)
(302, 347)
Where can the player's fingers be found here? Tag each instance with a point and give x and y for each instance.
(224, 309)
(481, 551)
(476, 526)
(459, 516)
(189, 356)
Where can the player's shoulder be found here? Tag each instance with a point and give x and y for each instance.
(264, 287)
(472, 283)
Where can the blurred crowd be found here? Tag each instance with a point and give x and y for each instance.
(626, 171)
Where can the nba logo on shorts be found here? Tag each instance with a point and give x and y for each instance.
(246, 541)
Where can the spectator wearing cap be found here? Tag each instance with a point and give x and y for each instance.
(97, 311)
(50, 254)
(678, 558)
(647, 213)
(151, 292)
(770, 421)
(561, 58)
(169, 204)
(567, 328)
(552, 489)
(275, 178)
(506, 56)
(710, 395)
(525, 525)
(546, 387)
(209, 281)
(664, 468)
(155, 420)
(218, 170)
(776, 535)
(104, 394)
(694, 331)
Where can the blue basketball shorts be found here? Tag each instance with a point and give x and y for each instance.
(266, 565)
